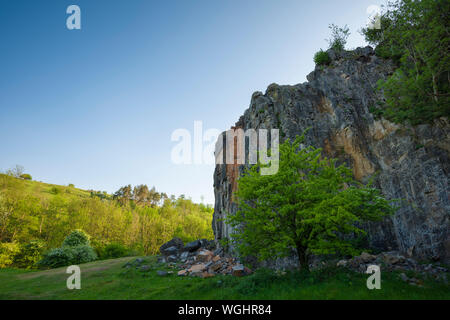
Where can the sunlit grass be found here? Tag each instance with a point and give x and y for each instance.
(109, 280)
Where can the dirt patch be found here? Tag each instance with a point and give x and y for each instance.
(85, 268)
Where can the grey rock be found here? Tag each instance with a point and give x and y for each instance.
(335, 104)
(192, 246)
(170, 251)
(161, 273)
(218, 252)
(172, 258)
(175, 242)
(238, 270)
(145, 268)
(341, 263)
(204, 243)
(184, 255)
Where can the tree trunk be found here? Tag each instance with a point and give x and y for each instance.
(435, 88)
(302, 258)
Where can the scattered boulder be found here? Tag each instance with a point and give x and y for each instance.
(218, 252)
(171, 247)
(199, 260)
(145, 268)
(205, 256)
(182, 273)
(172, 258)
(136, 263)
(394, 261)
(170, 251)
(216, 267)
(192, 246)
(184, 256)
(238, 270)
(197, 268)
(161, 273)
(342, 263)
(393, 258)
(366, 257)
(404, 277)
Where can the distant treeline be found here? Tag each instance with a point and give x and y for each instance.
(140, 219)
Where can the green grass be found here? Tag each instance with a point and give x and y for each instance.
(109, 280)
(44, 190)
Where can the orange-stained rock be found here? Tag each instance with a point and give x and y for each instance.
(182, 272)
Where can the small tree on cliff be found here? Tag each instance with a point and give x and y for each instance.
(309, 205)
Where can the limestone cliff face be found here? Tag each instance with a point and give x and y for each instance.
(409, 163)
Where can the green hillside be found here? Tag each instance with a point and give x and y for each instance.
(46, 191)
(36, 217)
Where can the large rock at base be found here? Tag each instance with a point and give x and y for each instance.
(172, 247)
(182, 273)
(192, 246)
(392, 258)
(197, 268)
(238, 270)
(205, 256)
(366, 257)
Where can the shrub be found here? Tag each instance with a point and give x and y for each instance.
(26, 176)
(113, 250)
(75, 249)
(82, 254)
(76, 238)
(322, 58)
(55, 190)
(7, 253)
(339, 37)
(58, 257)
(65, 256)
(30, 254)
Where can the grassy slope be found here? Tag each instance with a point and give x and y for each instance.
(109, 280)
(44, 190)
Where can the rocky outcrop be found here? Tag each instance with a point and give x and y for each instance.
(407, 163)
(196, 260)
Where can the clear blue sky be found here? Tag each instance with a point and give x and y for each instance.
(96, 107)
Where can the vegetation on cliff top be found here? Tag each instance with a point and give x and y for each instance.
(416, 35)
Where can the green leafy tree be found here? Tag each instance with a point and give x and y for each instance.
(416, 35)
(8, 251)
(16, 172)
(124, 195)
(76, 238)
(30, 254)
(26, 176)
(310, 205)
